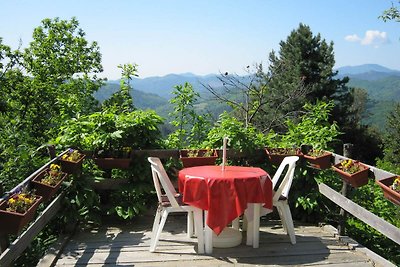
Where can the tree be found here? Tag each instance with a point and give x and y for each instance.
(392, 13)
(61, 66)
(52, 80)
(307, 61)
(191, 128)
(122, 101)
(245, 95)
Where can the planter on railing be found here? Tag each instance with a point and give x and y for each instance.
(199, 157)
(120, 159)
(353, 172)
(319, 160)
(13, 222)
(71, 162)
(47, 189)
(388, 192)
(276, 155)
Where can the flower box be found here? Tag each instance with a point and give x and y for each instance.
(358, 176)
(388, 192)
(276, 155)
(47, 190)
(113, 159)
(112, 163)
(322, 161)
(199, 157)
(13, 222)
(71, 162)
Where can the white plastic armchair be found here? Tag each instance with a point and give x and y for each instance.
(171, 201)
(280, 198)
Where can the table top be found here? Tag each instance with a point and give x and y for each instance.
(224, 193)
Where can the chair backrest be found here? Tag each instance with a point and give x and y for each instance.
(161, 180)
(286, 183)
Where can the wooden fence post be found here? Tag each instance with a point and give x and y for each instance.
(347, 152)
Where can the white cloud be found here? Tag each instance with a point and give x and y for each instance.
(372, 37)
(352, 38)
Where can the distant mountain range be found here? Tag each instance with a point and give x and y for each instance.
(369, 72)
(381, 83)
(163, 86)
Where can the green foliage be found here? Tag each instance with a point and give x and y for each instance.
(82, 203)
(313, 128)
(122, 101)
(109, 131)
(393, 13)
(240, 137)
(191, 128)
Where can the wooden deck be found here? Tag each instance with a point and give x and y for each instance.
(128, 245)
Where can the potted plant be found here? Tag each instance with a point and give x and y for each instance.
(197, 157)
(71, 161)
(17, 211)
(353, 172)
(48, 181)
(391, 188)
(113, 159)
(276, 155)
(318, 158)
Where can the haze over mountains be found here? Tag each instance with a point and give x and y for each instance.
(381, 83)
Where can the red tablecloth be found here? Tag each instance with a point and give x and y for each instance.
(224, 194)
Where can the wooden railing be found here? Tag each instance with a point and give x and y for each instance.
(12, 251)
(359, 212)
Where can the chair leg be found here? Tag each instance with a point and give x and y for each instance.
(282, 217)
(156, 225)
(154, 242)
(198, 216)
(289, 223)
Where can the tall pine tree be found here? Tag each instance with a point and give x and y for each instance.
(303, 71)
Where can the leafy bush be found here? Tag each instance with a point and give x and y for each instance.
(109, 131)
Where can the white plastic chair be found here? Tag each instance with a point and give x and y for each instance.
(171, 201)
(280, 198)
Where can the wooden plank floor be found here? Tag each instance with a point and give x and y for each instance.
(128, 245)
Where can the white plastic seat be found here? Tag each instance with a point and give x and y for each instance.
(280, 198)
(171, 201)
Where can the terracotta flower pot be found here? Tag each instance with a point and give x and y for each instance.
(319, 162)
(276, 155)
(356, 179)
(199, 159)
(14, 222)
(45, 190)
(112, 163)
(72, 167)
(388, 192)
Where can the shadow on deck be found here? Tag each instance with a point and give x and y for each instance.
(128, 245)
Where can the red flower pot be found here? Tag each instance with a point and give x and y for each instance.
(14, 222)
(199, 160)
(357, 179)
(112, 163)
(276, 155)
(72, 167)
(45, 190)
(388, 192)
(321, 162)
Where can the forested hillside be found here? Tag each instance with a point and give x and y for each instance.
(381, 84)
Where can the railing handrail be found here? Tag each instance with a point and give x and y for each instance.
(25, 182)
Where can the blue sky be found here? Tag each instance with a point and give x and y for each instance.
(210, 36)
